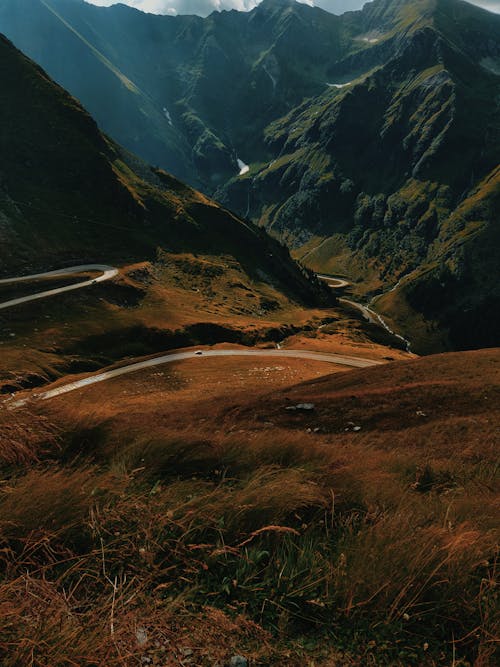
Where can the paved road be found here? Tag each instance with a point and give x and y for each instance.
(342, 360)
(368, 313)
(337, 283)
(107, 272)
(333, 282)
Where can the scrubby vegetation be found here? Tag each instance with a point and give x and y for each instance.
(184, 516)
(126, 545)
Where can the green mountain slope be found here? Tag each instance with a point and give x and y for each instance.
(189, 94)
(67, 193)
(397, 172)
(369, 135)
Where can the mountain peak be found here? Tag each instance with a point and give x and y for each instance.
(277, 3)
(273, 5)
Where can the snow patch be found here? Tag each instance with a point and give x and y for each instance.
(244, 168)
(338, 85)
(167, 116)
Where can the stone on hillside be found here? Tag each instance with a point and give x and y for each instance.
(238, 661)
(305, 407)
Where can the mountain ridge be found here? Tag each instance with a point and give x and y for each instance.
(363, 133)
(384, 162)
(79, 195)
(191, 141)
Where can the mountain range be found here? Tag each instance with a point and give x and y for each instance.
(372, 139)
(69, 193)
(189, 94)
(368, 142)
(208, 459)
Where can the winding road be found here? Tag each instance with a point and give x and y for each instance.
(107, 273)
(342, 360)
(332, 281)
(368, 313)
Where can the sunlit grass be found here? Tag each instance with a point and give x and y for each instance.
(379, 546)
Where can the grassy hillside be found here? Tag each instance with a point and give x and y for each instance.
(71, 195)
(455, 293)
(362, 532)
(395, 174)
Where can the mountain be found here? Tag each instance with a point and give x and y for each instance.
(392, 176)
(191, 95)
(68, 193)
(227, 505)
(371, 139)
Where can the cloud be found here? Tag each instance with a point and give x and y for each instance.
(206, 7)
(200, 7)
(491, 5)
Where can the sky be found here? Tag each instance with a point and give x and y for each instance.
(492, 5)
(205, 7)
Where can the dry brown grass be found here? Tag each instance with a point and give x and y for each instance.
(40, 624)
(24, 437)
(139, 312)
(201, 517)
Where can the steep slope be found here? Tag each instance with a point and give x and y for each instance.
(68, 193)
(186, 93)
(189, 273)
(62, 38)
(372, 138)
(397, 172)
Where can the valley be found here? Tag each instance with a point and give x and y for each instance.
(249, 336)
(370, 139)
(151, 315)
(108, 273)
